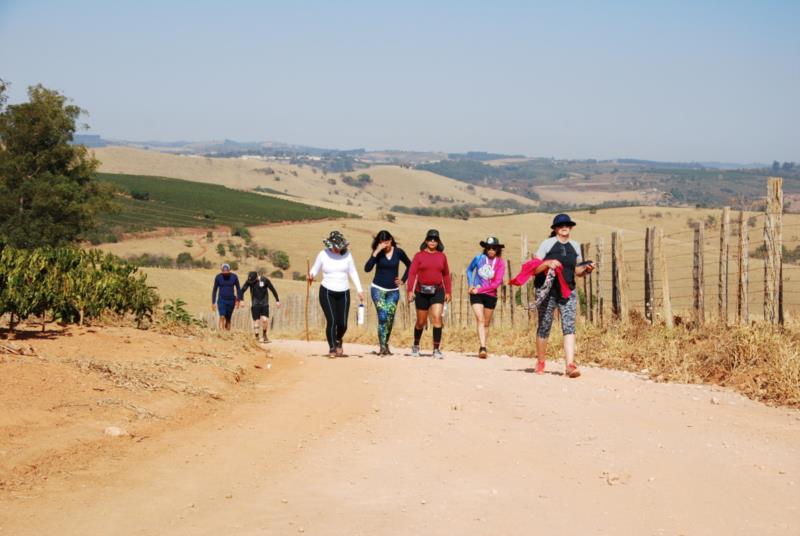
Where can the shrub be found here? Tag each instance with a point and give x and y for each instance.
(242, 231)
(71, 284)
(184, 260)
(277, 274)
(280, 259)
(297, 276)
(221, 250)
(188, 243)
(175, 311)
(391, 218)
(140, 195)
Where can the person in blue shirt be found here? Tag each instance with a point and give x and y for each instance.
(225, 296)
(385, 289)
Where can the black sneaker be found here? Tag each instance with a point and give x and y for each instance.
(482, 353)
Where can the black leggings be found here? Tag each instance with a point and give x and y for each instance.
(336, 306)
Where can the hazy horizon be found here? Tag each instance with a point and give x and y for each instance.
(663, 81)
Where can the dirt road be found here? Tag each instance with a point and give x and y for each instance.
(368, 445)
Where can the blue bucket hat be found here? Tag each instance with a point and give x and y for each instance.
(561, 220)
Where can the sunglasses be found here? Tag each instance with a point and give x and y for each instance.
(431, 239)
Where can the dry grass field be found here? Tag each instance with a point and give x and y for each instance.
(304, 240)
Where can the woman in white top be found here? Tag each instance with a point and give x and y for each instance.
(336, 264)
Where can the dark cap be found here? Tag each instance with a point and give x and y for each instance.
(434, 234)
(561, 220)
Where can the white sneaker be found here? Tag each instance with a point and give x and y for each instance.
(437, 354)
(415, 351)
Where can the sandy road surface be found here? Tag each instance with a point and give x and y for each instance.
(398, 445)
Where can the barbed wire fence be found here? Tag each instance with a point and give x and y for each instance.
(729, 271)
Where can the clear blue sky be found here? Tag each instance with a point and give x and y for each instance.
(658, 80)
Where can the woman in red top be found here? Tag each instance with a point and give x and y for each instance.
(429, 276)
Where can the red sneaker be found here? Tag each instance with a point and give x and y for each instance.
(540, 366)
(572, 371)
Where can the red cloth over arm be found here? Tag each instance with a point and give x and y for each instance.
(525, 272)
(565, 290)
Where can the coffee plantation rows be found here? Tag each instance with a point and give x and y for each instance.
(71, 285)
(147, 203)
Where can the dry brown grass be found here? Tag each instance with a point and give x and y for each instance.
(760, 361)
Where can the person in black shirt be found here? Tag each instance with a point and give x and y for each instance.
(385, 289)
(559, 254)
(259, 285)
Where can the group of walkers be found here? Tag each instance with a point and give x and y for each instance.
(555, 266)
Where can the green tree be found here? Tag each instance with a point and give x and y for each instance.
(49, 195)
(279, 258)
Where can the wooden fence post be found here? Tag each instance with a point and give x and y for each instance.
(666, 302)
(587, 285)
(599, 267)
(773, 240)
(698, 276)
(461, 320)
(584, 311)
(742, 304)
(722, 279)
(649, 272)
(619, 279)
(511, 291)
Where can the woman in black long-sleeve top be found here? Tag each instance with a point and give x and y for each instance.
(385, 288)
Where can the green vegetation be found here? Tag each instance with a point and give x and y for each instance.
(48, 193)
(175, 312)
(280, 259)
(68, 284)
(359, 182)
(179, 203)
(459, 212)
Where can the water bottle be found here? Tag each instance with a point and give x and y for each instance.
(360, 316)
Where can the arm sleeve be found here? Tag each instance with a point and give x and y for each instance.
(497, 280)
(354, 274)
(271, 287)
(317, 264)
(405, 260)
(244, 289)
(448, 287)
(237, 287)
(214, 291)
(412, 274)
(577, 248)
(544, 248)
(473, 265)
(370, 263)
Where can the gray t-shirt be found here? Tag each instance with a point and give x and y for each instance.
(547, 245)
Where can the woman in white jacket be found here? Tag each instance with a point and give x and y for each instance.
(336, 264)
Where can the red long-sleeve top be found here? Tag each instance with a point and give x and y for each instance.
(429, 269)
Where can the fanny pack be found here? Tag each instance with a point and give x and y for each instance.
(428, 289)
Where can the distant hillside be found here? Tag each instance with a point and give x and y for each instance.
(149, 203)
(592, 182)
(387, 185)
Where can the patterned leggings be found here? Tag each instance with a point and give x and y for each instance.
(547, 310)
(386, 305)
